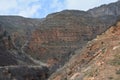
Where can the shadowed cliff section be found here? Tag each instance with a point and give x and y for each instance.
(6, 58)
(24, 73)
(14, 63)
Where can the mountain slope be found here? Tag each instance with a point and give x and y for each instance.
(98, 60)
(53, 39)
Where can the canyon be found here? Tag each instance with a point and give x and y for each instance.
(57, 44)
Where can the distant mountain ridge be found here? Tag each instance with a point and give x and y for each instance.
(112, 9)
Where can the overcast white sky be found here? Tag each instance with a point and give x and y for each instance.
(40, 8)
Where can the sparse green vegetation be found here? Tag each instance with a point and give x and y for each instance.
(118, 71)
(103, 50)
(110, 78)
(116, 60)
(92, 73)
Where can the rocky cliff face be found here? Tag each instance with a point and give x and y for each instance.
(98, 60)
(61, 33)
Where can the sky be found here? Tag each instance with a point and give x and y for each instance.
(41, 8)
